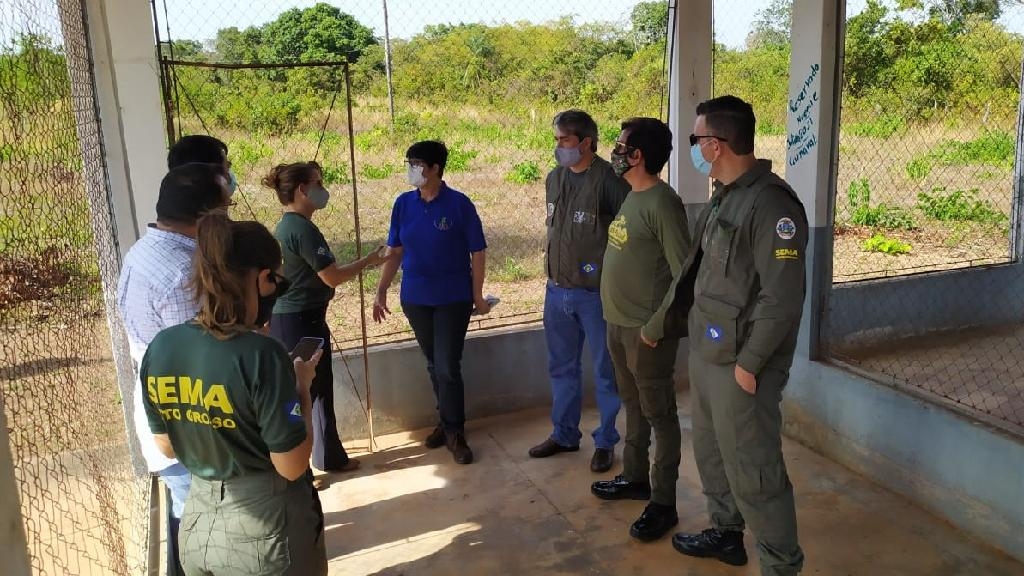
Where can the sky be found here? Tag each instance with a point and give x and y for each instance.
(200, 19)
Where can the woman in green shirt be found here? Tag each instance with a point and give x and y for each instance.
(231, 405)
(311, 269)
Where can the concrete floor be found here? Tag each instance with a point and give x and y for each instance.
(412, 511)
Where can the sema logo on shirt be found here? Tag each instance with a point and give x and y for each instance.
(618, 235)
(172, 394)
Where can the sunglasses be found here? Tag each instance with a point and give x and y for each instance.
(694, 138)
(623, 148)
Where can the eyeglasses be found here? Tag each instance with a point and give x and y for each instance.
(694, 138)
(416, 163)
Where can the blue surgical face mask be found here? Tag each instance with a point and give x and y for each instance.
(697, 157)
(232, 183)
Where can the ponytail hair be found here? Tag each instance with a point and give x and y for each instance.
(285, 179)
(226, 252)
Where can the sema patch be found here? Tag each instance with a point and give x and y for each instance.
(785, 228)
(787, 254)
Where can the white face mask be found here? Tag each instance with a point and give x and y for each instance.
(414, 175)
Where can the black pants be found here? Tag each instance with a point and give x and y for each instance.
(328, 453)
(441, 334)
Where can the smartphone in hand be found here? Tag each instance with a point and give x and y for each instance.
(306, 347)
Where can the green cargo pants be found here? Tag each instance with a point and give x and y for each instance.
(257, 524)
(737, 442)
(644, 378)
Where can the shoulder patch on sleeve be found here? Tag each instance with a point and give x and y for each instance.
(785, 228)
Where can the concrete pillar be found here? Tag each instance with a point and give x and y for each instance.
(13, 546)
(128, 98)
(813, 144)
(692, 57)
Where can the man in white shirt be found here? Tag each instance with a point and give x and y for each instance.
(153, 293)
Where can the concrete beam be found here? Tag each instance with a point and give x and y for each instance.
(505, 370)
(812, 144)
(691, 69)
(13, 545)
(128, 98)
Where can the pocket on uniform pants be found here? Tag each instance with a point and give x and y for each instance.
(715, 337)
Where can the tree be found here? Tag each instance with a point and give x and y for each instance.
(650, 22)
(322, 32)
(956, 12)
(772, 26)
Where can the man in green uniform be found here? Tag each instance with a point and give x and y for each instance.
(743, 327)
(647, 245)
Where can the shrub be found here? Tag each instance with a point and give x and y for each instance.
(958, 206)
(881, 216)
(338, 174)
(511, 270)
(881, 127)
(990, 149)
(523, 173)
(885, 245)
(374, 172)
(458, 159)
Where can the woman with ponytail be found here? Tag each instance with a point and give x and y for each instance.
(313, 272)
(234, 409)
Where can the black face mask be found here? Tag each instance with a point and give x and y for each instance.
(266, 303)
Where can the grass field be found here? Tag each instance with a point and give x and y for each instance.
(499, 158)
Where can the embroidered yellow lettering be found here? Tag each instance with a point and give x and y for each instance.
(787, 254)
(166, 391)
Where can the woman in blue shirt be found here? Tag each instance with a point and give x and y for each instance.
(437, 238)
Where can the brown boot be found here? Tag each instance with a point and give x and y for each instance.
(457, 446)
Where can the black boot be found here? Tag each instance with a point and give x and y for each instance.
(621, 489)
(726, 546)
(436, 438)
(654, 523)
(457, 446)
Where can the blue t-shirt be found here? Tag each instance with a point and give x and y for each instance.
(437, 238)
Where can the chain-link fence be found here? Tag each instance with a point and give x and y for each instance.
(485, 78)
(84, 510)
(927, 145)
(929, 182)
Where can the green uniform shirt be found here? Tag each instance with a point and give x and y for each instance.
(226, 404)
(305, 253)
(647, 245)
(750, 286)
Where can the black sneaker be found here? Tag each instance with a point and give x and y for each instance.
(654, 523)
(621, 489)
(435, 439)
(726, 546)
(457, 446)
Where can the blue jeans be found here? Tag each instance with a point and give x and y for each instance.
(178, 481)
(570, 315)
